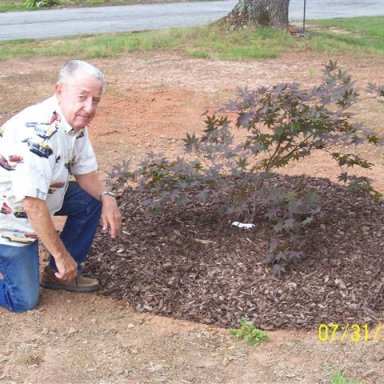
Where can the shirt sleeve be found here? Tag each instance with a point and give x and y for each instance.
(84, 156)
(27, 154)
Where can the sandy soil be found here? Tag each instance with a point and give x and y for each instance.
(151, 102)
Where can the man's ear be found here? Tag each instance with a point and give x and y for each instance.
(58, 91)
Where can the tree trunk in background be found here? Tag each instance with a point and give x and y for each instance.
(260, 13)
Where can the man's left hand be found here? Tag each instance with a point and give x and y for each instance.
(110, 216)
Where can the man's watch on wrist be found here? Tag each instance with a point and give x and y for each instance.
(106, 193)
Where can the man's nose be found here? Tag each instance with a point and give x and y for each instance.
(88, 105)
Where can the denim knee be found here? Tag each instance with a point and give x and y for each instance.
(19, 266)
(25, 302)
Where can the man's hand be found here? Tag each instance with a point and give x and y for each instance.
(40, 219)
(66, 266)
(110, 215)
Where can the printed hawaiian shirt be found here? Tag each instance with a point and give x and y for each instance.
(39, 151)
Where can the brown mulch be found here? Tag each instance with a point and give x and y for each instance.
(192, 264)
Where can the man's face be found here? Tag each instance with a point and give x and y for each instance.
(78, 99)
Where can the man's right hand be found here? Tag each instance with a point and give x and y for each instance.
(40, 219)
(67, 267)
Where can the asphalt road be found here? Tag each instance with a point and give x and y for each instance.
(79, 21)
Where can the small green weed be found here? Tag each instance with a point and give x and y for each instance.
(339, 378)
(249, 333)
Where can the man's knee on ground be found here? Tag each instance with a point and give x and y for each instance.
(25, 303)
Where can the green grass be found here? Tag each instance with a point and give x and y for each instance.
(217, 42)
(359, 35)
(203, 42)
(11, 5)
(339, 378)
(19, 5)
(368, 26)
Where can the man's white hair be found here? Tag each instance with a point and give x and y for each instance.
(73, 66)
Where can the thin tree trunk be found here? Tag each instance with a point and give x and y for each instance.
(260, 13)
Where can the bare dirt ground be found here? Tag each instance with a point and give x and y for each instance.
(151, 102)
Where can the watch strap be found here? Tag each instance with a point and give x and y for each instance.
(106, 193)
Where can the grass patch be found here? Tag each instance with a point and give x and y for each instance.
(20, 5)
(211, 42)
(339, 378)
(216, 42)
(367, 26)
(359, 35)
(12, 5)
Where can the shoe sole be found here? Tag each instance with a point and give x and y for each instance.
(68, 288)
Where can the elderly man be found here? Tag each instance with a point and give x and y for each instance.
(40, 148)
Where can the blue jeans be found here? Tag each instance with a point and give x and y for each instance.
(19, 266)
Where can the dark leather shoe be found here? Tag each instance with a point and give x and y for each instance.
(79, 284)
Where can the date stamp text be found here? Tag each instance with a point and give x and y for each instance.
(350, 332)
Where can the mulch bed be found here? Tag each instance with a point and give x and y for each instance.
(192, 264)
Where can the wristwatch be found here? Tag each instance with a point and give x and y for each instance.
(106, 193)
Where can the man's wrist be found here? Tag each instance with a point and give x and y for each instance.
(106, 193)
